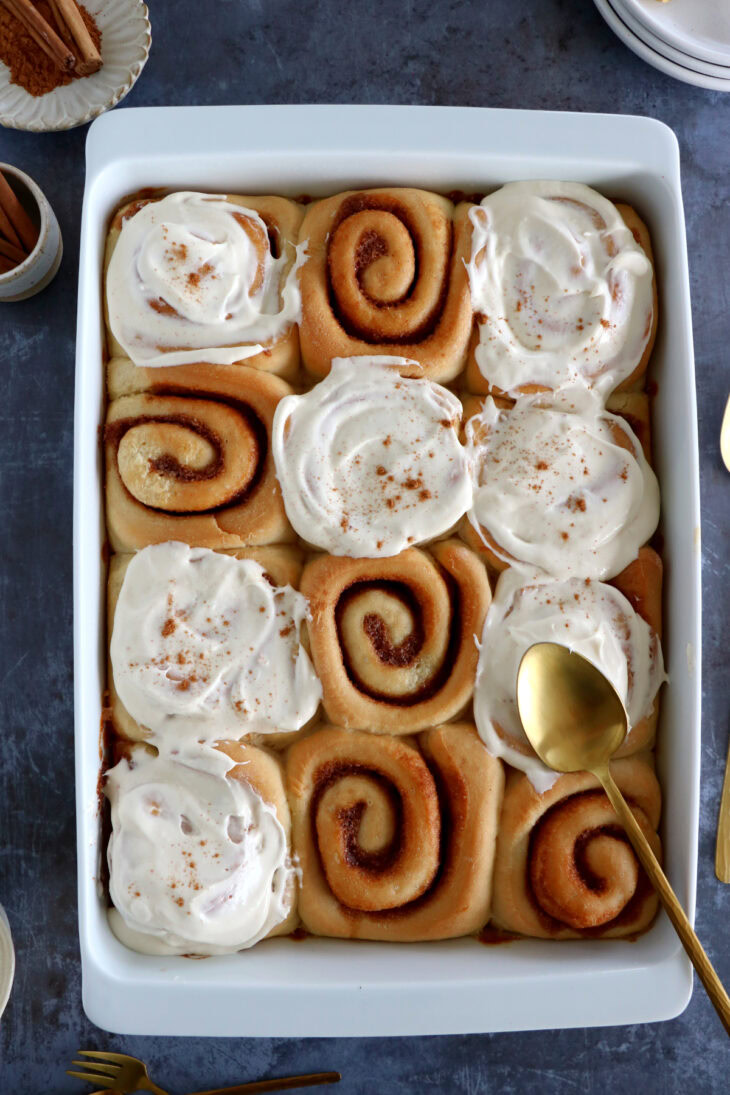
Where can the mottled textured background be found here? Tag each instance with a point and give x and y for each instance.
(508, 53)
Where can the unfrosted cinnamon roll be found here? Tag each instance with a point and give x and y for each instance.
(392, 640)
(199, 855)
(385, 274)
(204, 277)
(617, 627)
(563, 288)
(207, 645)
(395, 841)
(560, 486)
(188, 458)
(564, 865)
(370, 461)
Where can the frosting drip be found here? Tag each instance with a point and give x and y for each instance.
(369, 461)
(198, 861)
(192, 276)
(563, 290)
(204, 647)
(568, 491)
(589, 617)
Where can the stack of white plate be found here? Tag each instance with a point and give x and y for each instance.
(687, 39)
(7, 960)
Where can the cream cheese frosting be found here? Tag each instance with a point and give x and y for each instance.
(192, 278)
(557, 490)
(198, 861)
(370, 461)
(589, 617)
(562, 289)
(204, 647)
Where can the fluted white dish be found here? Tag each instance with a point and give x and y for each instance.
(125, 44)
(657, 60)
(700, 28)
(7, 960)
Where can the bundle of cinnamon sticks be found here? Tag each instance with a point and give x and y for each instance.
(70, 46)
(18, 234)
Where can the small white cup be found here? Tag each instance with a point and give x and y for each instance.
(7, 960)
(41, 266)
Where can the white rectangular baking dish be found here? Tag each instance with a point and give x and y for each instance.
(330, 987)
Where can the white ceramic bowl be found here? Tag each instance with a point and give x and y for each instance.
(42, 264)
(125, 46)
(319, 987)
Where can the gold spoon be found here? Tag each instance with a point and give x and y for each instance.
(575, 722)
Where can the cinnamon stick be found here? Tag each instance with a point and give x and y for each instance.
(6, 265)
(7, 230)
(11, 252)
(68, 17)
(42, 33)
(16, 214)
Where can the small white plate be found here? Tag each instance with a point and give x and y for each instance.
(657, 60)
(125, 46)
(700, 28)
(7, 960)
(624, 9)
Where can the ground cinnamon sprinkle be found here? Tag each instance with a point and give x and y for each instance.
(30, 67)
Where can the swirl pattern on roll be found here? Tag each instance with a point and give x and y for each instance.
(593, 618)
(564, 865)
(385, 273)
(370, 461)
(392, 640)
(191, 461)
(200, 277)
(394, 841)
(562, 288)
(564, 488)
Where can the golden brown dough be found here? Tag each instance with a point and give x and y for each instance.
(188, 458)
(393, 639)
(395, 841)
(386, 275)
(564, 865)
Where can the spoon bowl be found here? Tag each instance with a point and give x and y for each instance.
(571, 713)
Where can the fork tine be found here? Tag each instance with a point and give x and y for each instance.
(120, 1058)
(99, 1067)
(92, 1078)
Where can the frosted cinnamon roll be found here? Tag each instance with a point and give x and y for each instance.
(564, 865)
(385, 274)
(561, 487)
(370, 461)
(394, 841)
(563, 288)
(188, 458)
(205, 646)
(593, 618)
(392, 640)
(199, 856)
(203, 277)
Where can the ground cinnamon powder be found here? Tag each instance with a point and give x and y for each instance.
(29, 66)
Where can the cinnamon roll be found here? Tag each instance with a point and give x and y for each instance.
(595, 619)
(207, 645)
(204, 277)
(392, 640)
(562, 487)
(563, 288)
(199, 855)
(564, 865)
(385, 273)
(188, 458)
(370, 461)
(395, 840)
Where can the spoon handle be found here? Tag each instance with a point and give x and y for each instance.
(722, 848)
(668, 898)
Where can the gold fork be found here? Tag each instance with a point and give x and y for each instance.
(122, 1073)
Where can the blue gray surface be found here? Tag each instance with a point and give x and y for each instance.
(554, 55)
